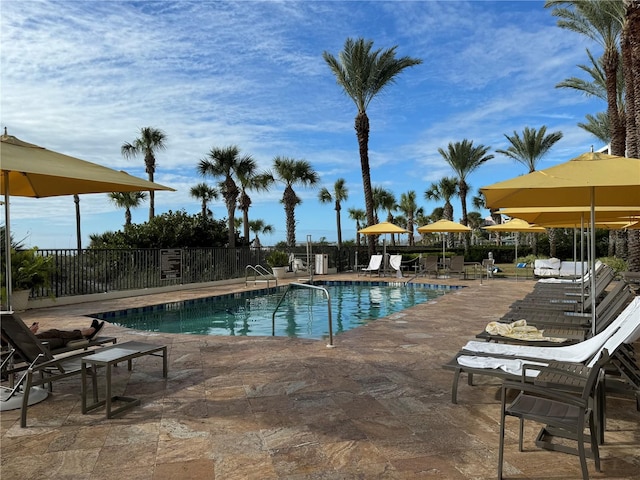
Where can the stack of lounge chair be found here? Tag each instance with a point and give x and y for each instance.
(569, 371)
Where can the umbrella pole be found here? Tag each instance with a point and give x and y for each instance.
(7, 241)
(593, 260)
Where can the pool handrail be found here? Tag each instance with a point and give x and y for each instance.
(258, 270)
(304, 285)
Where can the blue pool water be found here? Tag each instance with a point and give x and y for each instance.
(303, 313)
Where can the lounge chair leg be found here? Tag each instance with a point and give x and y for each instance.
(595, 450)
(454, 387)
(520, 436)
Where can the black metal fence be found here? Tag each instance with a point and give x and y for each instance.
(93, 271)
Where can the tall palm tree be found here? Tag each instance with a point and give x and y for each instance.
(259, 227)
(225, 163)
(293, 172)
(340, 194)
(533, 145)
(205, 193)
(150, 141)
(601, 22)
(410, 209)
(250, 179)
(360, 216)
(363, 73)
(445, 189)
(127, 200)
(632, 73)
(464, 158)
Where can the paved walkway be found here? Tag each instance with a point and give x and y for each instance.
(375, 407)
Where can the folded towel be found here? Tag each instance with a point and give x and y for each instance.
(512, 366)
(520, 330)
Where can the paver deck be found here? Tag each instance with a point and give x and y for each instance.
(375, 407)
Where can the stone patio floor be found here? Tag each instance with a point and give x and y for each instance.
(377, 406)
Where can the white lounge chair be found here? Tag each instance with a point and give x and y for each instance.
(396, 263)
(375, 262)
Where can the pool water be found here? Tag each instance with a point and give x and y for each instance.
(303, 313)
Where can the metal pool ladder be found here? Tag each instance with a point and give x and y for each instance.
(313, 287)
(260, 274)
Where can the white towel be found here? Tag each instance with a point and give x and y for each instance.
(509, 365)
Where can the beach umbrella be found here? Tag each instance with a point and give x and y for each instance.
(444, 226)
(515, 225)
(571, 215)
(383, 228)
(592, 179)
(28, 170)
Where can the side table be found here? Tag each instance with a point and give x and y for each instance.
(108, 357)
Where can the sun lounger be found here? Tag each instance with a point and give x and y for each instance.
(375, 263)
(505, 361)
(43, 368)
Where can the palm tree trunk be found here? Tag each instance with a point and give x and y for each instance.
(76, 200)
(610, 61)
(339, 227)
(630, 102)
(362, 131)
(290, 200)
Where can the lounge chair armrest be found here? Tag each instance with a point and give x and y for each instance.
(550, 393)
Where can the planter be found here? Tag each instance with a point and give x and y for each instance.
(19, 300)
(279, 272)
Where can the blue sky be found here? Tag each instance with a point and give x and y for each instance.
(82, 77)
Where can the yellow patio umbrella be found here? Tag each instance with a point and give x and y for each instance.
(444, 226)
(570, 215)
(381, 229)
(28, 170)
(591, 179)
(515, 225)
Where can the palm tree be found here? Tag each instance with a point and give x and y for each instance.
(464, 158)
(533, 145)
(150, 141)
(360, 216)
(127, 200)
(225, 163)
(250, 179)
(293, 172)
(410, 209)
(601, 22)
(363, 73)
(384, 199)
(632, 73)
(340, 194)
(598, 126)
(258, 227)
(445, 189)
(205, 193)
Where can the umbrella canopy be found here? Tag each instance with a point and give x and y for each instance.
(593, 179)
(28, 170)
(381, 228)
(32, 171)
(444, 226)
(571, 215)
(608, 180)
(515, 225)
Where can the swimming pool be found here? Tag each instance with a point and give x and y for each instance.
(302, 314)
